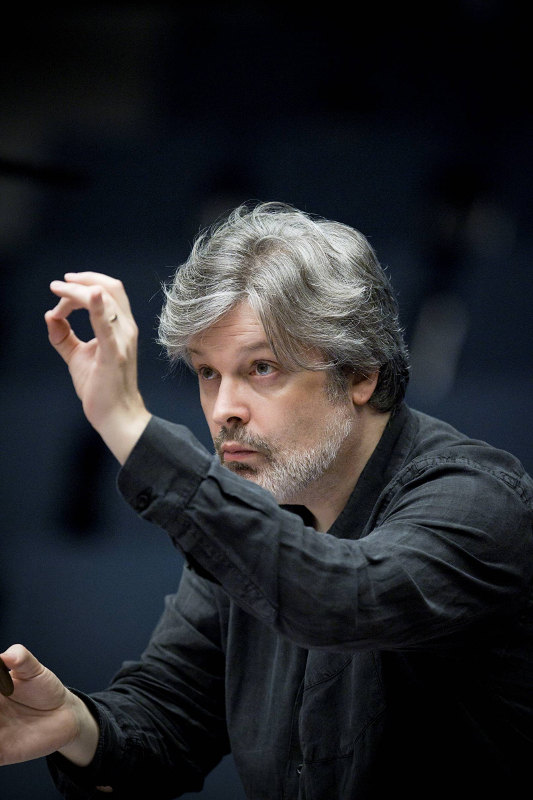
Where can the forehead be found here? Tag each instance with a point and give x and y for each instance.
(239, 328)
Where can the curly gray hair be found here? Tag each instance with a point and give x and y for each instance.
(316, 286)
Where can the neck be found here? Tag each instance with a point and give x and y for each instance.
(328, 495)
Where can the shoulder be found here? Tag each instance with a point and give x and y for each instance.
(435, 447)
(449, 482)
(459, 501)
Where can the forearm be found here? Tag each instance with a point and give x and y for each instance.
(390, 588)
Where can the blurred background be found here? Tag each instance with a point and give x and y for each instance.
(124, 129)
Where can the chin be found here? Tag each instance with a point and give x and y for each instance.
(244, 470)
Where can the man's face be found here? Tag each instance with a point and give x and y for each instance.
(279, 429)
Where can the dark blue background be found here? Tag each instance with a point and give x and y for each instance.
(126, 129)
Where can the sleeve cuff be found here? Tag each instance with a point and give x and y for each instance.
(167, 461)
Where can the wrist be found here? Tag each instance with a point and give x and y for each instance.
(121, 431)
(81, 749)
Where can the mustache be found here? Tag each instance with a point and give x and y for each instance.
(241, 436)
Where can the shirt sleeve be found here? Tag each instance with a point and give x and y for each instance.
(162, 720)
(451, 546)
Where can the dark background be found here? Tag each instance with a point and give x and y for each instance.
(126, 128)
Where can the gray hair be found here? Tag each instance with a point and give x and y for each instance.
(315, 285)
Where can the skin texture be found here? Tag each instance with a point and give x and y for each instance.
(103, 370)
(41, 715)
(261, 416)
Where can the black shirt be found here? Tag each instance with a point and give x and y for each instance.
(394, 653)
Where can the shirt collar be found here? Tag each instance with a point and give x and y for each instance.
(384, 462)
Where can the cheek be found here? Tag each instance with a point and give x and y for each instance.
(302, 422)
(207, 409)
(311, 422)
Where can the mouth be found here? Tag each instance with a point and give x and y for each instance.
(236, 452)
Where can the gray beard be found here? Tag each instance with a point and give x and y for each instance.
(287, 475)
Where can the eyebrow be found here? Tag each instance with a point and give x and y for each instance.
(246, 348)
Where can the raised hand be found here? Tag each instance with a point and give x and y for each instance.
(41, 715)
(104, 369)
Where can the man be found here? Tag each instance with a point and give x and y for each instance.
(355, 616)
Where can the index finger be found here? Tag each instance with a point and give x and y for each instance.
(114, 286)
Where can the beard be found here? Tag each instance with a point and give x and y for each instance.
(288, 471)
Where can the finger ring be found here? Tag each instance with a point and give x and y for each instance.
(113, 318)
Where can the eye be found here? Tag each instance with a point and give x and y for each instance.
(263, 368)
(206, 373)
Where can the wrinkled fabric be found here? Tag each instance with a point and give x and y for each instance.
(394, 653)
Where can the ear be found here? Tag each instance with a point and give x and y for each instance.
(363, 387)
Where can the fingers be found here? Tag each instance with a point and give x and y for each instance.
(102, 308)
(89, 290)
(76, 295)
(104, 297)
(113, 286)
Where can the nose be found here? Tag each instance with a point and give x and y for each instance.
(231, 406)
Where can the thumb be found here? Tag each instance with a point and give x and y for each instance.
(58, 328)
(21, 662)
(60, 335)
(34, 685)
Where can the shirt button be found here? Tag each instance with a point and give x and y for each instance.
(143, 500)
